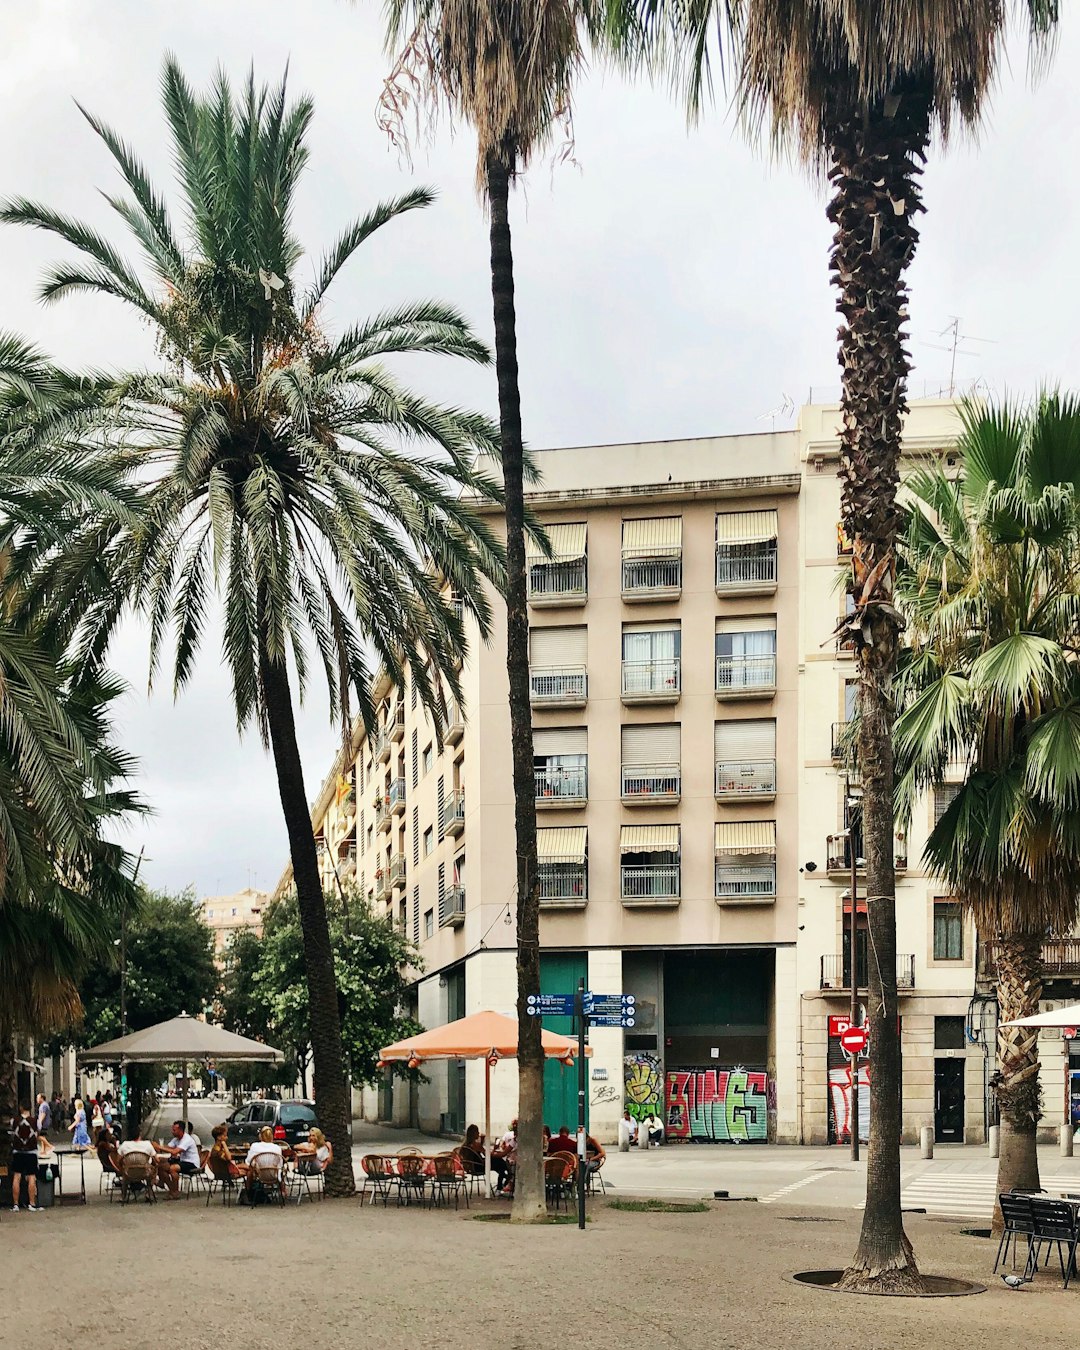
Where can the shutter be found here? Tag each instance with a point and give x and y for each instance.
(442, 893)
(565, 845)
(651, 745)
(440, 808)
(745, 838)
(561, 741)
(648, 538)
(416, 916)
(558, 647)
(416, 836)
(649, 839)
(765, 623)
(567, 544)
(745, 527)
(944, 796)
(415, 762)
(745, 740)
(412, 693)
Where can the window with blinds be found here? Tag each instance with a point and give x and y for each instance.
(562, 866)
(561, 578)
(415, 760)
(442, 894)
(651, 762)
(746, 552)
(558, 665)
(651, 556)
(560, 764)
(441, 808)
(745, 869)
(745, 756)
(944, 796)
(416, 916)
(416, 836)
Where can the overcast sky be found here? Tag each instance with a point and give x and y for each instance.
(669, 284)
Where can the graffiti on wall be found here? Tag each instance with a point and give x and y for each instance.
(841, 1073)
(642, 1084)
(717, 1105)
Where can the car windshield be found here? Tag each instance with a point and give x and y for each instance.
(290, 1115)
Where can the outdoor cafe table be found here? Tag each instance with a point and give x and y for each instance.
(71, 1198)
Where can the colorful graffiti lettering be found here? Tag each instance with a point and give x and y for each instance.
(717, 1105)
(840, 1103)
(642, 1084)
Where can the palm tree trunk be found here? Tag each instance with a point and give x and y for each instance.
(876, 158)
(529, 1201)
(329, 1068)
(1019, 976)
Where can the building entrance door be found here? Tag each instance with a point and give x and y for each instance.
(949, 1101)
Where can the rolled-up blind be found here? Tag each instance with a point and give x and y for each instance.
(644, 538)
(567, 544)
(651, 744)
(560, 741)
(745, 740)
(745, 838)
(745, 527)
(558, 646)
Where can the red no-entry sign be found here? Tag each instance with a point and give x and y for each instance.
(853, 1040)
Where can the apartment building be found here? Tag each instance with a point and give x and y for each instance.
(226, 914)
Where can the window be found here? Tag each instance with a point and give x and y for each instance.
(210, 912)
(292, 1115)
(651, 660)
(745, 757)
(415, 762)
(746, 551)
(557, 666)
(560, 764)
(560, 578)
(429, 840)
(650, 859)
(944, 796)
(948, 931)
(416, 915)
(429, 759)
(651, 764)
(416, 836)
(429, 922)
(745, 656)
(440, 814)
(234, 911)
(651, 556)
(949, 1033)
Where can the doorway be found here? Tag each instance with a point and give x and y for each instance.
(949, 1101)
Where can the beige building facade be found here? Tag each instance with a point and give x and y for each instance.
(226, 914)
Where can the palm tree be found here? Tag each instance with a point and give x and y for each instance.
(857, 90)
(506, 67)
(279, 467)
(991, 589)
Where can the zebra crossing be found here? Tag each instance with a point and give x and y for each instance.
(966, 1194)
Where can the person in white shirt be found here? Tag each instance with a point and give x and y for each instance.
(164, 1172)
(261, 1152)
(630, 1126)
(655, 1127)
(504, 1160)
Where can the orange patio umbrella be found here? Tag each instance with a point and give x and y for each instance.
(487, 1035)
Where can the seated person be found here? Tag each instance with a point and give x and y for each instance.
(163, 1172)
(631, 1126)
(654, 1128)
(545, 1139)
(563, 1142)
(471, 1152)
(594, 1154)
(504, 1160)
(183, 1150)
(262, 1152)
(222, 1163)
(316, 1155)
(106, 1150)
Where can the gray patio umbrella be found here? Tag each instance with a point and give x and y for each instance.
(179, 1039)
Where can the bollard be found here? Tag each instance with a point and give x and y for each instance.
(642, 1135)
(1066, 1139)
(994, 1140)
(926, 1140)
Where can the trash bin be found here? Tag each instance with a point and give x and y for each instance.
(46, 1186)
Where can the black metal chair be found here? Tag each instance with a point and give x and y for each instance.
(1019, 1223)
(1055, 1224)
(558, 1181)
(448, 1178)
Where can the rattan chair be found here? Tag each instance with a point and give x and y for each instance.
(221, 1179)
(136, 1176)
(411, 1178)
(267, 1171)
(448, 1179)
(377, 1177)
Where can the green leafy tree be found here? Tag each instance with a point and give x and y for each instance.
(991, 591)
(276, 466)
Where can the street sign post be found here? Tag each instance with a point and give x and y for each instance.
(611, 1020)
(552, 1005)
(853, 1041)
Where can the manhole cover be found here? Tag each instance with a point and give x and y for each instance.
(934, 1286)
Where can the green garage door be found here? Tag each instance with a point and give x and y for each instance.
(559, 974)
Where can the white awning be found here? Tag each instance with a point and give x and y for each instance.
(649, 839)
(746, 837)
(567, 543)
(647, 538)
(565, 845)
(745, 527)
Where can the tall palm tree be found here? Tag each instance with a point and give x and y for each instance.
(857, 89)
(277, 466)
(507, 68)
(990, 586)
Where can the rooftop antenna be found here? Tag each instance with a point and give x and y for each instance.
(952, 330)
(785, 408)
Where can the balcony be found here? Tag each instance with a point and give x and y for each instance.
(563, 885)
(651, 784)
(842, 743)
(382, 814)
(381, 747)
(738, 883)
(382, 885)
(346, 868)
(746, 570)
(655, 578)
(746, 676)
(560, 581)
(453, 912)
(397, 724)
(397, 871)
(838, 849)
(652, 681)
(836, 972)
(562, 787)
(397, 797)
(558, 686)
(455, 723)
(654, 884)
(745, 780)
(453, 816)
(1060, 958)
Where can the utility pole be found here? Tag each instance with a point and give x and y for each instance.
(123, 982)
(583, 1166)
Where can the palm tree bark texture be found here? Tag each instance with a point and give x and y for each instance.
(329, 1068)
(1019, 980)
(876, 155)
(529, 1199)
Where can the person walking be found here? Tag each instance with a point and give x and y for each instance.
(24, 1156)
(80, 1139)
(44, 1115)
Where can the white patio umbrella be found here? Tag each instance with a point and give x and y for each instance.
(1068, 1016)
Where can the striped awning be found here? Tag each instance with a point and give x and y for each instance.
(564, 845)
(567, 543)
(647, 538)
(745, 527)
(745, 837)
(649, 839)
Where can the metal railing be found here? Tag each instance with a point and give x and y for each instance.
(745, 778)
(739, 881)
(745, 674)
(654, 881)
(453, 910)
(382, 885)
(557, 580)
(563, 883)
(397, 723)
(660, 573)
(455, 722)
(737, 566)
(558, 684)
(652, 679)
(454, 812)
(644, 781)
(382, 814)
(838, 851)
(1060, 956)
(843, 744)
(397, 796)
(836, 971)
(380, 747)
(397, 870)
(563, 783)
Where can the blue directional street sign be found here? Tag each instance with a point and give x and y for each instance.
(551, 1005)
(612, 1019)
(610, 1004)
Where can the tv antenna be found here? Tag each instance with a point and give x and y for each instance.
(785, 408)
(955, 347)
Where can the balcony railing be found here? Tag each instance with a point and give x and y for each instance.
(836, 971)
(746, 676)
(563, 786)
(842, 743)
(382, 813)
(397, 797)
(453, 915)
(653, 883)
(397, 870)
(455, 723)
(563, 885)
(741, 570)
(381, 747)
(838, 850)
(743, 780)
(397, 723)
(1060, 956)
(741, 882)
(558, 686)
(382, 885)
(454, 813)
(562, 581)
(646, 578)
(651, 784)
(652, 681)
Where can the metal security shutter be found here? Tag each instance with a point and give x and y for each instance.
(561, 741)
(558, 647)
(415, 762)
(645, 538)
(651, 745)
(440, 808)
(442, 893)
(746, 527)
(567, 544)
(416, 916)
(416, 836)
(745, 740)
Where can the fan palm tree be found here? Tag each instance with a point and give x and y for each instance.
(857, 90)
(280, 468)
(990, 586)
(506, 67)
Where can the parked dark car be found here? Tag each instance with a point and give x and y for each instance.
(291, 1121)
